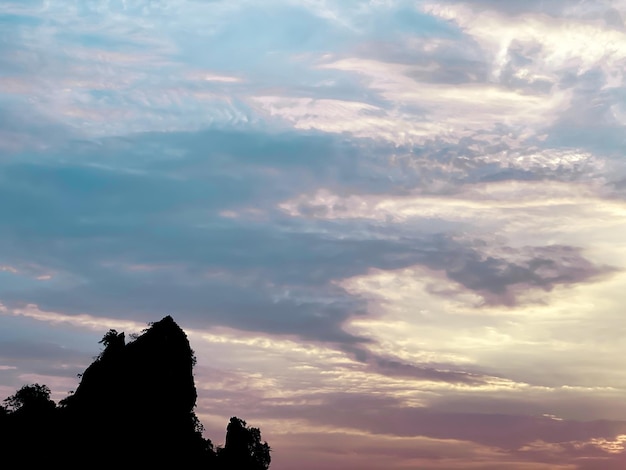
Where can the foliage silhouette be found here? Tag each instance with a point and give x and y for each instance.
(243, 448)
(30, 398)
(134, 402)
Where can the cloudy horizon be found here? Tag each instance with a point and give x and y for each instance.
(392, 230)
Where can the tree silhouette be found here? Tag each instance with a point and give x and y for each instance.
(35, 398)
(28, 423)
(112, 342)
(243, 448)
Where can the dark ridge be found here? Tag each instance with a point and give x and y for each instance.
(134, 407)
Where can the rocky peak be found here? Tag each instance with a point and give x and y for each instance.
(134, 405)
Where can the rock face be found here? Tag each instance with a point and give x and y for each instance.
(137, 400)
(134, 407)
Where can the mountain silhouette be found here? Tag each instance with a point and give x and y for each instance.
(134, 407)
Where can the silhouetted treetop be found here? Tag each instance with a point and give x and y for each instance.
(243, 448)
(33, 397)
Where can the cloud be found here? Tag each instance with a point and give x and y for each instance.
(99, 84)
(513, 8)
(456, 374)
(548, 46)
(164, 213)
(473, 263)
(543, 267)
(556, 8)
(441, 109)
(539, 439)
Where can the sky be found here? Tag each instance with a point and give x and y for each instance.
(394, 231)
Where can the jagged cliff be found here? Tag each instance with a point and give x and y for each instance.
(134, 407)
(138, 399)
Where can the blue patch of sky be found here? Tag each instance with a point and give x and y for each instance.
(19, 330)
(103, 96)
(10, 281)
(11, 19)
(106, 41)
(406, 20)
(134, 8)
(260, 38)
